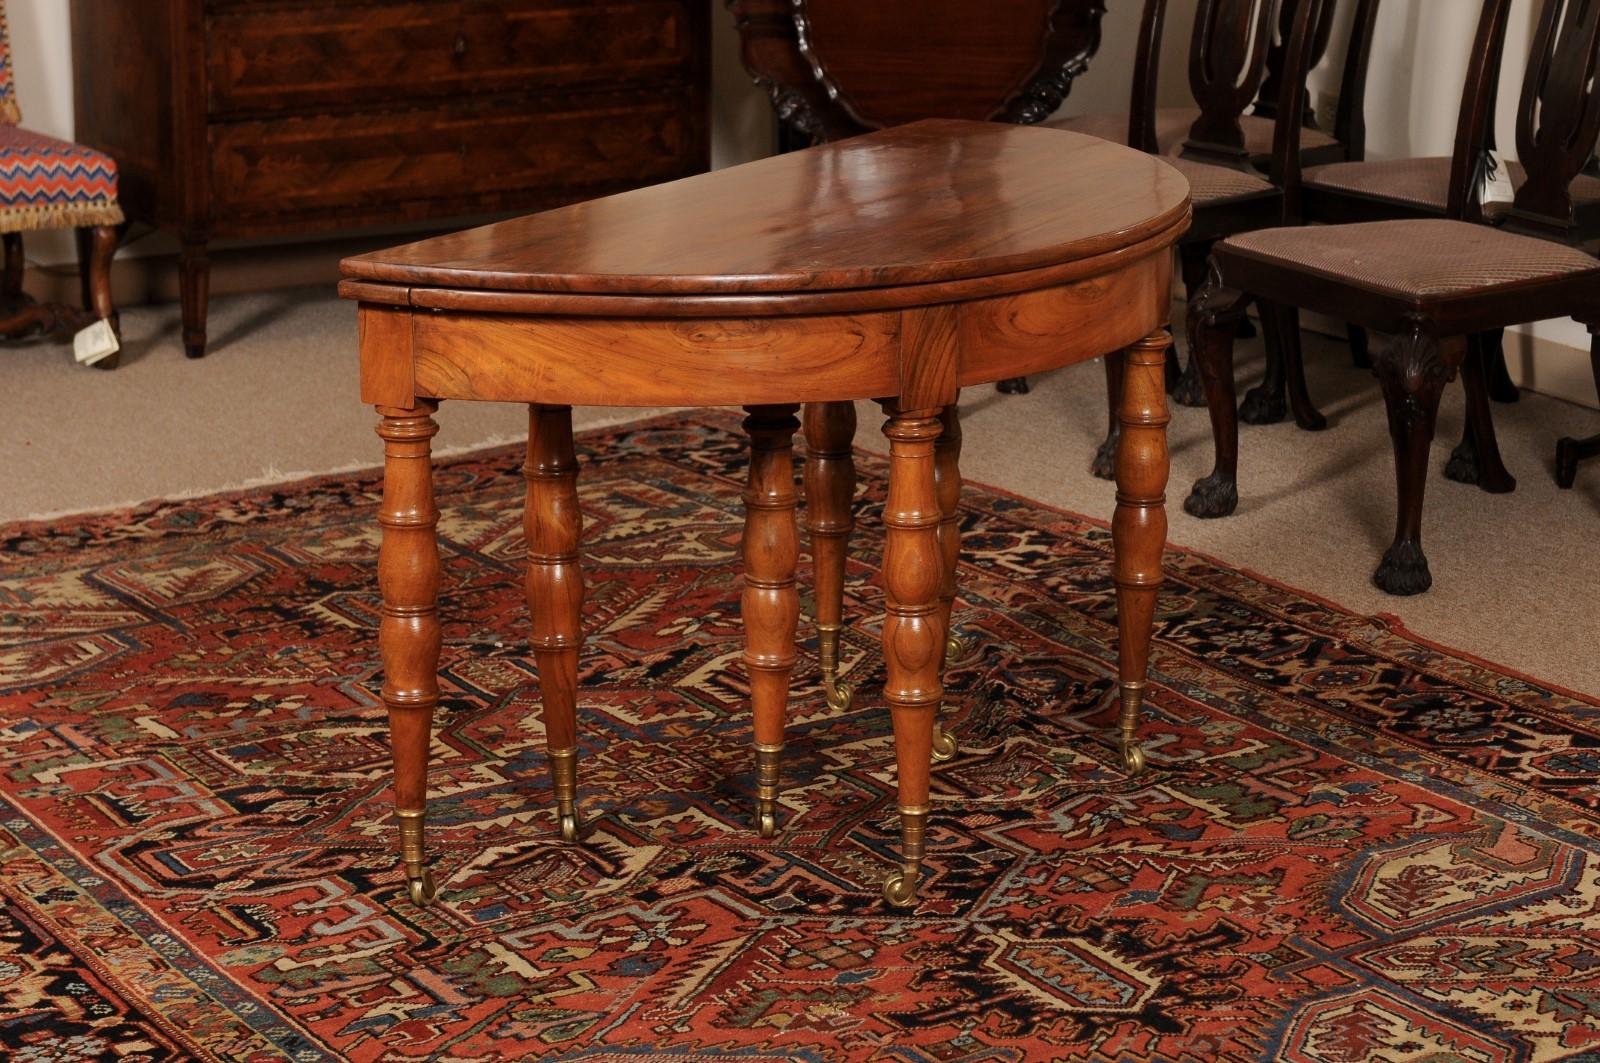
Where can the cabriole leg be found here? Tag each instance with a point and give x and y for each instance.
(1413, 375)
(1105, 459)
(1189, 389)
(1213, 314)
(408, 633)
(913, 631)
(552, 523)
(100, 243)
(830, 478)
(1570, 451)
(947, 484)
(771, 604)
(1139, 529)
(1267, 402)
(1476, 459)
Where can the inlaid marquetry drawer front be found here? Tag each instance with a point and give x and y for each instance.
(459, 157)
(284, 57)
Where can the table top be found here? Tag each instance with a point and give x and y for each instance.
(929, 202)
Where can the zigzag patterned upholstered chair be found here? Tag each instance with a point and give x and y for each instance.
(1430, 283)
(46, 183)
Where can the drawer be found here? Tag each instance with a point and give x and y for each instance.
(452, 159)
(302, 56)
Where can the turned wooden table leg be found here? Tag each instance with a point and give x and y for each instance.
(947, 485)
(913, 628)
(830, 478)
(1139, 529)
(408, 633)
(552, 524)
(771, 604)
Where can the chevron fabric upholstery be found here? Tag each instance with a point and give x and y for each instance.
(47, 183)
(9, 113)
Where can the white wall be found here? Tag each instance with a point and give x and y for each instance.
(1418, 65)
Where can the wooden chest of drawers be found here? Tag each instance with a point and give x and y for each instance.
(241, 118)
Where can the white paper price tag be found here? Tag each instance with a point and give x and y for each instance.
(1497, 186)
(97, 341)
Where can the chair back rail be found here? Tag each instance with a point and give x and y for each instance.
(1227, 62)
(1350, 123)
(1558, 118)
(1278, 55)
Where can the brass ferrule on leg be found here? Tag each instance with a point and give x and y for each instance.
(564, 783)
(1132, 700)
(769, 766)
(419, 880)
(413, 825)
(828, 649)
(900, 888)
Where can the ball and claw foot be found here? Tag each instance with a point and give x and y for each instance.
(1463, 464)
(945, 746)
(423, 891)
(1404, 570)
(1212, 497)
(1104, 466)
(1261, 406)
(840, 695)
(1190, 391)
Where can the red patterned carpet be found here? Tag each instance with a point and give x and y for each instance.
(1351, 846)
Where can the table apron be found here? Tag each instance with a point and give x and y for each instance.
(599, 361)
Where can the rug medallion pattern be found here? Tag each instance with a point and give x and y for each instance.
(1351, 845)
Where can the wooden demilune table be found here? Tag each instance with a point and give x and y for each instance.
(899, 266)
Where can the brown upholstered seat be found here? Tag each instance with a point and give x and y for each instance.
(1172, 129)
(1421, 182)
(1411, 259)
(1213, 184)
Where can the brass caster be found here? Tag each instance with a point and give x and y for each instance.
(767, 821)
(945, 747)
(423, 891)
(841, 695)
(957, 647)
(1133, 759)
(569, 824)
(900, 888)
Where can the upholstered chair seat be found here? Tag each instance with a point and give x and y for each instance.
(1215, 184)
(1172, 129)
(1425, 258)
(1421, 182)
(46, 183)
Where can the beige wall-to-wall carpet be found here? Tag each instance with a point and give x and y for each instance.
(1517, 577)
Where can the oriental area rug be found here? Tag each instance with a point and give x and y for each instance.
(1351, 845)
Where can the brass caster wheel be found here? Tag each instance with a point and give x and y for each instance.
(1133, 759)
(900, 888)
(569, 824)
(423, 891)
(945, 747)
(841, 695)
(767, 822)
(957, 647)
